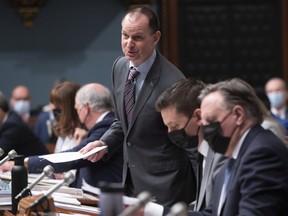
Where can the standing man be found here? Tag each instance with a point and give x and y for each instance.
(276, 91)
(151, 162)
(254, 181)
(180, 109)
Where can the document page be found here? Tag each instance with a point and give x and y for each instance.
(69, 156)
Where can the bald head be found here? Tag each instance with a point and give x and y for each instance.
(20, 92)
(275, 84)
(96, 95)
(276, 91)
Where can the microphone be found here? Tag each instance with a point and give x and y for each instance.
(11, 154)
(178, 209)
(69, 177)
(144, 197)
(47, 171)
(1, 152)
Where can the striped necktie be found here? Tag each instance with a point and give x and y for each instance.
(129, 93)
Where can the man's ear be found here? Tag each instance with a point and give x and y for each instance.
(197, 114)
(239, 113)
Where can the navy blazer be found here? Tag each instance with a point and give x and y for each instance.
(259, 178)
(16, 134)
(151, 161)
(106, 169)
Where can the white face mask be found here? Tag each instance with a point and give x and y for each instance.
(277, 99)
(22, 107)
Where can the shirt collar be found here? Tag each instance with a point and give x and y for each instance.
(203, 148)
(238, 146)
(102, 116)
(145, 66)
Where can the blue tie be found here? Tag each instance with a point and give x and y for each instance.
(129, 93)
(223, 195)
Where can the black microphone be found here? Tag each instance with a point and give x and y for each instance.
(69, 177)
(11, 154)
(47, 171)
(178, 209)
(144, 197)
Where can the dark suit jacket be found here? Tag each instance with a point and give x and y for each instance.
(151, 162)
(259, 178)
(16, 134)
(109, 170)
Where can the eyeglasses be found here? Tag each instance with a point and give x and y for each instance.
(57, 113)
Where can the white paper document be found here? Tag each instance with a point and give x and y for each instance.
(70, 156)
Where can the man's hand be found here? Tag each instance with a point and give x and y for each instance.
(7, 166)
(98, 155)
(79, 134)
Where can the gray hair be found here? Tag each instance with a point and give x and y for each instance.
(237, 92)
(96, 95)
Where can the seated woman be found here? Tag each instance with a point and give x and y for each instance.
(66, 120)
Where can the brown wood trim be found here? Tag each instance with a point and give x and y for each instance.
(169, 29)
(284, 20)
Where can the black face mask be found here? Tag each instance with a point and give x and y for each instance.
(217, 142)
(212, 133)
(181, 139)
(57, 114)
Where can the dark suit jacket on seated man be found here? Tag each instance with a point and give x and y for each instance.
(107, 169)
(16, 134)
(258, 159)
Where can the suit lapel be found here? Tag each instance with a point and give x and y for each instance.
(146, 90)
(234, 176)
(121, 98)
(206, 176)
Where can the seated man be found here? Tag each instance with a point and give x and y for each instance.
(254, 180)
(180, 110)
(16, 134)
(93, 103)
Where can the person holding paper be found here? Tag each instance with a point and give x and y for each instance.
(93, 103)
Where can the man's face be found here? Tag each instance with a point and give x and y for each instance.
(213, 111)
(176, 121)
(19, 94)
(138, 41)
(80, 111)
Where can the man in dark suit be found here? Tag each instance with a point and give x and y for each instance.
(93, 103)
(254, 180)
(151, 161)
(16, 134)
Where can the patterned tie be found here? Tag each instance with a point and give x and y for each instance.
(129, 93)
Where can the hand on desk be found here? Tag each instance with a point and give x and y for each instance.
(98, 155)
(7, 166)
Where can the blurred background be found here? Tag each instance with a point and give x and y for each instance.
(42, 41)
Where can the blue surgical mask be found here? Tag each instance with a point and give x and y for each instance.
(277, 99)
(22, 107)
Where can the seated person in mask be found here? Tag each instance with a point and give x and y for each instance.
(180, 109)
(254, 179)
(20, 102)
(16, 134)
(93, 104)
